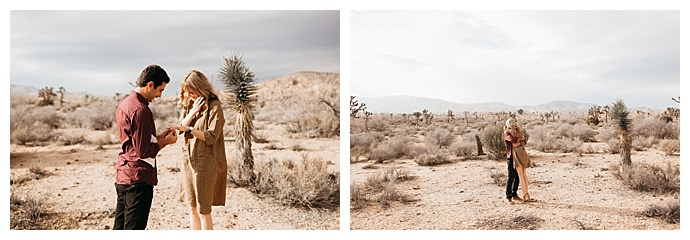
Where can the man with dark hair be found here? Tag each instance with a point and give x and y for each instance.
(135, 173)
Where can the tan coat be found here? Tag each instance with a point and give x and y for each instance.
(205, 163)
(520, 157)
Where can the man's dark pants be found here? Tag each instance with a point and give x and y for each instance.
(513, 180)
(133, 206)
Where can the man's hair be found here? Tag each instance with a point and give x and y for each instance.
(153, 73)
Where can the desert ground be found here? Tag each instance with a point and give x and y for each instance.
(571, 190)
(74, 179)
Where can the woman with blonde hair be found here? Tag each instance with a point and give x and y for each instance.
(205, 165)
(518, 160)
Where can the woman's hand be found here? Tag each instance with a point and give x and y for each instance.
(198, 104)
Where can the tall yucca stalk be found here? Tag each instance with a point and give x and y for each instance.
(239, 84)
(619, 114)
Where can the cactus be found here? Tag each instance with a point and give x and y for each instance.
(239, 84)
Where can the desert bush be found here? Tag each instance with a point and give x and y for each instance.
(640, 143)
(463, 149)
(101, 138)
(583, 132)
(669, 213)
(315, 123)
(377, 124)
(614, 145)
(432, 159)
(38, 132)
(72, 136)
(393, 148)
(656, 127)
(649, 178)
(492, 139)
(605, 134)
(381, 188)
(499, 177)
(440, 137)
(27, 211)
(669, 146)
(306, 183)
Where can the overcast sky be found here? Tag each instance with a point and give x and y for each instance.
(518, 57)
(100, 52)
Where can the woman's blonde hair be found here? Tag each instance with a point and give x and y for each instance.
(512, 124)
(199, 83)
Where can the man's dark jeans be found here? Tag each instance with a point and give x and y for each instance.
(513, 180)
(133, 206)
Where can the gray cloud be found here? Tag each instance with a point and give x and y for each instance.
(101, 51)
(542, 56)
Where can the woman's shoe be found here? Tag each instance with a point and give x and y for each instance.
(526, 197)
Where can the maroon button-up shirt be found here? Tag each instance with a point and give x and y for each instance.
(508, 140)
(136, 129)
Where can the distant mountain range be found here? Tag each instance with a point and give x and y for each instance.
(410, 104)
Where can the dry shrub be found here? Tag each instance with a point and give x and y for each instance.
(377, 124)
(641, 143)
(27, 211)
(432, 159)
(101, 138)
(393, 148)
(463, 149)
(440, 137)
(669, 213)
(583, 132)
(72, 136)
(362, 143)
(655, 127)
(492, 140)
(37, 132)
(614, 145)
(315, 123)
(649, 178)
(669, 146)
(500, 177)
(380, 188)
(305, 183)
(522, 222)
(607, 134)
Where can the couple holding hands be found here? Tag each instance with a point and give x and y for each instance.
(204, 159)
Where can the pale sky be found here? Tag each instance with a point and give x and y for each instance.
(518, 57)
(100, 52)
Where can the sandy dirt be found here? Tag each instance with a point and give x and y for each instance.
(79, 186)
(570, 192)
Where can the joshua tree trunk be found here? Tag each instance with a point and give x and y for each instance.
(480, 150)
(238, 80)
(619, 113)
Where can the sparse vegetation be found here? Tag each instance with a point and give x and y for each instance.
(670, 212)
(649, 178)
(380, 188)
(306, 183)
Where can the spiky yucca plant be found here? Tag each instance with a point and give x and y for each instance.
(620, 116)
(239, 84)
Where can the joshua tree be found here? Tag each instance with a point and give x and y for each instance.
(46, 94)
(356, 107)
(620, 115)
(239, 84)
(427, 116)
(520, 111)
(367, 116)
(676, 99)
(61, 90)
(416, 117)
(450, 115)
